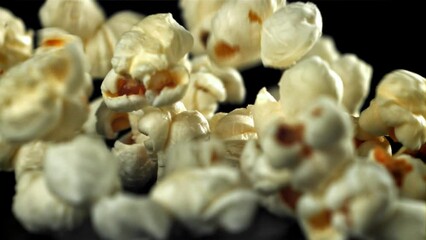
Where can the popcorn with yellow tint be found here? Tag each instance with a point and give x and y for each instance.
(15, 42)
(398, 109)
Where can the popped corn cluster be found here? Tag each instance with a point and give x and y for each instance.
(320, 159)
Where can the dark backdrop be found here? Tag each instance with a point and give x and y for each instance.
(386, 34)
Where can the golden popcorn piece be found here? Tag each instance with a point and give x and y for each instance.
(310, 78)
(238, 47)
(289, 34)
(73, 16)
(125, 216)
(398, 109)
(15, 42)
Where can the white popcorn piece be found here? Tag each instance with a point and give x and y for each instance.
(186, 126)
(38, 210)
(204, 93)
(109, 123)
(310, 78)
(153, 44)
(72, 16)
(155, 123)
(15, 42)
(7, 155)
(207, 199)
(89, 127)
(30, 158)
(136, 168)
(81, 171)
(194, 154)
(289, 34)
(231, 78)
(361, 199)
(124, 216)
(408, 173)
(356, 78)
(324, 48)
(100, 47)
(407, 221)
(365, 142)
(44, 94)
(238, 47)
(398, 109)
(197, 16)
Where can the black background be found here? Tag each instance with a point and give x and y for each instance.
(388, 35)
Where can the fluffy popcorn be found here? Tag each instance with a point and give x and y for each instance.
(47, 94)
(136, 168)
(109, 123)
(38, 210)
(356, 78)
(310, 78)
(15, 42)
(230, 77)
(123, 21)
(289, 34)
(81, 171)
(238, 47)
(204, 93)
(72, 16)
(324, 48)
(30, 158)
(206, 199)
(186, 126)
(125, 216)
(197, 16)
(398, 109)
(408, 173)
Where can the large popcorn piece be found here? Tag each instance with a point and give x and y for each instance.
(197, 15)
(15, 43)
(310, 78)
(228, 45)
(324, 48)
(147, 66)
(130, 217)
(207, 199)
(356, 78)
(73, 16)
(81, 171)
(45, 97)
(289, 34)
(398, 109)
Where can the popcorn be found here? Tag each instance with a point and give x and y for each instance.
(81, 171)
(398, 109)
(310, 78)
(15, 43)
(47, 93)
(72, 16)
(203, 94)
(289, 34)
(109, 123)
(238, 47)
(356, 77)
(7, 154)
(125, 216)
(206, 199)
(324, 48)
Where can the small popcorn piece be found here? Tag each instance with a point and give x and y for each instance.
(30, 158)
(204, 93)
(125, 216)
(73, 16)
(155, 123)
(408, 172)
(39, 210)
(324, 48)
(230, 77)
(15, 42)
(310, 78)
(398, 109)
(356, 78)
(238, 47)
(109, 123)
(289, 34)
(81, 171)
(207, 199)
(136, 168)
(186, 126)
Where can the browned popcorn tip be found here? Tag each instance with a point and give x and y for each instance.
(254, 18)
(224, 50)
(163, 79)
(398, 168)
(320, 221)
